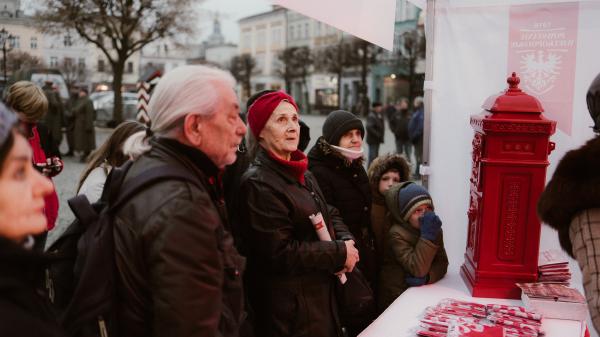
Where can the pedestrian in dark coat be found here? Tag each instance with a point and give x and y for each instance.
(54, 117)
(415, 131)
(336, 160)
(179, 273)
(85, 136)
(290, 271)
(400, 130)
(22, 190)
(375, 131)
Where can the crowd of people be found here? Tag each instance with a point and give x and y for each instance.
(252, 237)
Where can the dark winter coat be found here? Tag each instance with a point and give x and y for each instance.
(54, 117)
(290, 272)
(375, 128)
(179, 274)
(416, 126)
(24, 312)
(401, 125)
(345, 186)
(380, 223)
(85, 137)
(574, 187)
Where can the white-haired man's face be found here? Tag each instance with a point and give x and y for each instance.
(222, 133)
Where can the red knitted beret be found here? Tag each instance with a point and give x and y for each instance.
(260, 111)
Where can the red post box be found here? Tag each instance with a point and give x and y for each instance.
(510, 156)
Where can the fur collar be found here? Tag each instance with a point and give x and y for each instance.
(383, 164)
(574, 187)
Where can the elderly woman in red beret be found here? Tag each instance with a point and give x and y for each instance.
(291, 272)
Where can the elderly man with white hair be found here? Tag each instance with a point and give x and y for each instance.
(178, 271)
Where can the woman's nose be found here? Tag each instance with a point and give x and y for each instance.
(43, 185)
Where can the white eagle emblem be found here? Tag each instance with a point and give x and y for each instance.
(539, 72)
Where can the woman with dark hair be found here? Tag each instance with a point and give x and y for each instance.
(22, 192)
(108, 155)
(291, 272)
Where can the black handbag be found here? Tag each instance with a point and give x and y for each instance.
(356, 302)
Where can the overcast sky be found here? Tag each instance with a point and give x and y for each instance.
(229, 11)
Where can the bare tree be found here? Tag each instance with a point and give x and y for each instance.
(241, 67)
(18, 60)
(412, 49)
(118, 28)
(364, 55)
(335, 59)
(72, 72)
(296, 62)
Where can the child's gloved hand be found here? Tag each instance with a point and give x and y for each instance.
(430, 226)
(415, 281)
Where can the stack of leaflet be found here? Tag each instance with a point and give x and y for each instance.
(553, 267)
(453, 318)
(554, 300)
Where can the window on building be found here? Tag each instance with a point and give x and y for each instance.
(53, 61)
(16, 41)
(81, 63)
(67, 40)
(276, 36)
(101, 66)
(292, 33)
(318, 29)
(246, 41)
(33, 43)
(306, 30)
(68, 62)
(130, 67)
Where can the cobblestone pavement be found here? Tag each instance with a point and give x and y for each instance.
(66, 182)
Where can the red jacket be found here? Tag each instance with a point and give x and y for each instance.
(39, 157)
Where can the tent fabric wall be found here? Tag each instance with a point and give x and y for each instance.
(470, 63)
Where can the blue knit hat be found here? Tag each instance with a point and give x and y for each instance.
(404, 198)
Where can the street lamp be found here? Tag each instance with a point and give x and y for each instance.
(4, 37)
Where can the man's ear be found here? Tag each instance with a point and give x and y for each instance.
(192, 129)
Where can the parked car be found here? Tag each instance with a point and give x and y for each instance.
(104, 106)
(41, 75)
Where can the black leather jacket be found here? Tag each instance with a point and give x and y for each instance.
(179, 274)
(290, 272)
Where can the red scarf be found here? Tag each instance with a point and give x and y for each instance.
(297, 165)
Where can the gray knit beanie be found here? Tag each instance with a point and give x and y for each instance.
(404, 198)
(338, 123)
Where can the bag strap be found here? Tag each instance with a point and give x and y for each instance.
(82, 209)
(151, 177)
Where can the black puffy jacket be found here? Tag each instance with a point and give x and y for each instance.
(23, 310)
(290, 272)
(179, 273)
(345, 186)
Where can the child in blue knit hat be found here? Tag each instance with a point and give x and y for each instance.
(414, 249)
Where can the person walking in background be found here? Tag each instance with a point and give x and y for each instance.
(69, 121)
(375, 131)
(28, 101)
(101, 161)
(336, 160)
(178, 271)
(384, 172)
(22, 192)
(84, 133)
(54, 117)
(290, 271)
(415, 131)
(400, 129)
(571, 205)
(414, 249)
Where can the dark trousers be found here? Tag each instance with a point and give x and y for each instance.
(373, 152)
(418, 155)
(404, 147)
